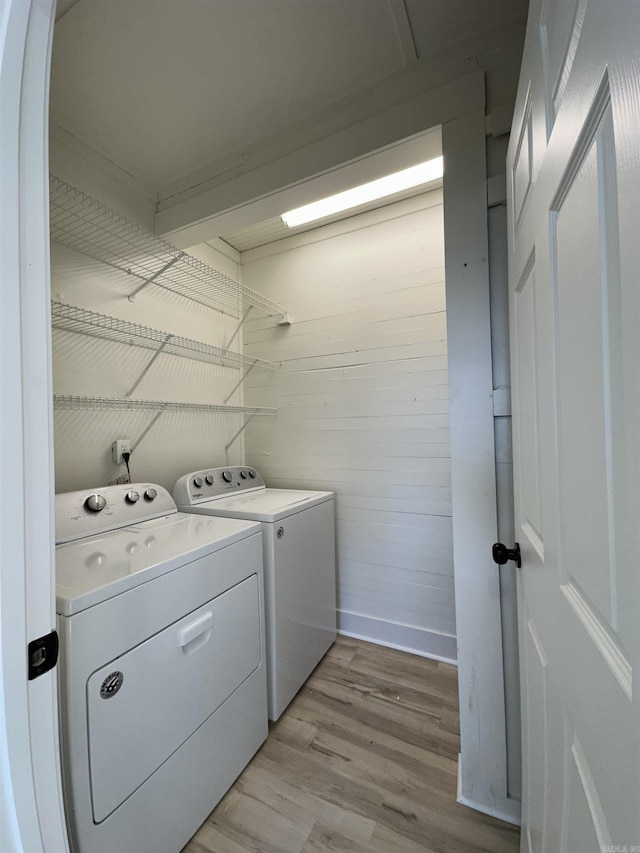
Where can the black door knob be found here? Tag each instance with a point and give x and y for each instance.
(501, 554)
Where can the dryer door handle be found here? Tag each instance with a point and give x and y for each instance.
(197, 628)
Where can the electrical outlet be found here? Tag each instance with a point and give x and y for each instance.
(120, 446)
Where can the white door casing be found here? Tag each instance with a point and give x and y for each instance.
(574, 183)
(31, 814)
(483, 761)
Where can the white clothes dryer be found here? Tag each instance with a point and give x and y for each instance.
(299, 566)
(162, 666)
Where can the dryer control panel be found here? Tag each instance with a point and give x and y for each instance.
(213, 483)
(91, 511)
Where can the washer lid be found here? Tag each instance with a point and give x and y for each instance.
(91, 570)
(262, 505)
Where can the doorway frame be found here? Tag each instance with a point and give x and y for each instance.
(482, 764)
(29, 726)
(31, 806)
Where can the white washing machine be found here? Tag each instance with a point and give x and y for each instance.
(162, 666)
(299, 566)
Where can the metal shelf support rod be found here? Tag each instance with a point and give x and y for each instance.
(240, 325)
(148, 281)
(149, 365)
(240, 431)
(146, 430)
(239, 383)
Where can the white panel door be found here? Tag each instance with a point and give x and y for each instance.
(574, 168)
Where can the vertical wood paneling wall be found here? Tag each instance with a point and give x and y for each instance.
(363, 410)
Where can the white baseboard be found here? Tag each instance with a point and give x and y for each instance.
(406, 638)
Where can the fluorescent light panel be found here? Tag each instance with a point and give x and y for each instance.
(423, 173)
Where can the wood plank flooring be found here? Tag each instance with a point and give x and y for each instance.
(364, 760)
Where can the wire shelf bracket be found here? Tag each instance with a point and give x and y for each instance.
(132, 296)
(238, 383)
(240, 431)
(148, 365)
(239, 326)
(146, 430)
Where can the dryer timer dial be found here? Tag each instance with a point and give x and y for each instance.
(95, 503)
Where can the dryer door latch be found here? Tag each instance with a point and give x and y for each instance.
(42, 654)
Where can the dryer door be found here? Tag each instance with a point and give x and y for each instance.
(145, 704)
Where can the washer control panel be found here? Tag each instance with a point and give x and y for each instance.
(213, 483)
(91, 511)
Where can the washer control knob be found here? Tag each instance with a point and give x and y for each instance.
(252, 473)
(95, 503)
(150, 494)
(209, 480)
(131, 497)
(227, 476)
(243, 474)
(197, 482)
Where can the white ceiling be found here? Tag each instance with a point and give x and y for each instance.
(437, 25)
(163, 87)
(166, 90)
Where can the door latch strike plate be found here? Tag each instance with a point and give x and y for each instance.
(42, 654)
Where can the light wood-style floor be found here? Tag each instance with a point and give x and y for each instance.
(363, 761)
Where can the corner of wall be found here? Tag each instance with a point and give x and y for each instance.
(83, 167)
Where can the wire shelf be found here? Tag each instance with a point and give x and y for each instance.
(90, 227)
(73, 319)
(67, 402)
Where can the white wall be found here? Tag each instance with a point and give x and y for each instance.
(84, 365)
(362, 403)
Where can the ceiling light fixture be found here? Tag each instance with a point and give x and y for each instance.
(423, 173)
